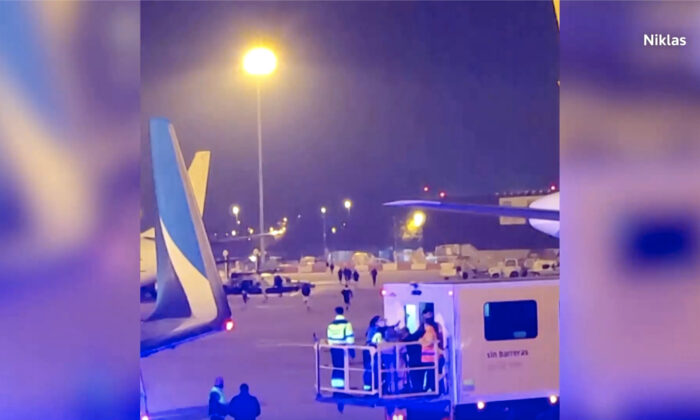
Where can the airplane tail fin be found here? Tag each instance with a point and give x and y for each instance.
(188, 282)
(199, 175)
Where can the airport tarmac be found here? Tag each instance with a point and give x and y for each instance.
(270, 349)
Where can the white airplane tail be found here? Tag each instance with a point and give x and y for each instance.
(191, 300)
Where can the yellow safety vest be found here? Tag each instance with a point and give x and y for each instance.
(220, 393)
(340, 331)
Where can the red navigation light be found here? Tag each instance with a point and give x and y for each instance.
(228, 325)
(426, 189)
(552, 187)
(442, 194)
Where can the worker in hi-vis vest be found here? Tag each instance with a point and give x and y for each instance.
(218, 406)
(339, 332)
(373, 337)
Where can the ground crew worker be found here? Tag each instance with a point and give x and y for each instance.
(305, 292)
(373, 337)
(429, 342)
(374, 276)
(244, 406)
(356, 276)
(332, 267)
(217, 401)
(339, 333)
(340, 275)
(348, 273)
(347, 295)
(244, 295)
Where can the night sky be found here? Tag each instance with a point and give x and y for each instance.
(370, 101)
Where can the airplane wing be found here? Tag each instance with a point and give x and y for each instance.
(243, 238)
(191, 301)
(487, 209)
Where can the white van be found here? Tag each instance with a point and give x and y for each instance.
(501, 340)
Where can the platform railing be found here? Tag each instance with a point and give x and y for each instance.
(387, 371)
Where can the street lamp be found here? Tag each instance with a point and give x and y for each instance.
(260, 61)
(323, 218)
(347, 204)
(236, 210)
(418, 219)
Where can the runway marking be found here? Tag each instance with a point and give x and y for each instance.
(278, 343)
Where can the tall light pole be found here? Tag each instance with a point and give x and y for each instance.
(325, 246)
(259, 62)
(236, 210)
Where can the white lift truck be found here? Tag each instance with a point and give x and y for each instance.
(500, 354)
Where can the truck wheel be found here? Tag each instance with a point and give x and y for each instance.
(514, 274)
(465, 275)
(495, 275)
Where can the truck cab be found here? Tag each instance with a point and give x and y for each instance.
(508, 268)
(499, 351)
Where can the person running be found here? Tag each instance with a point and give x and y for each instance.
(347, 296)
(347, 273)
(374, 276)
(305, 293)
(244, 295)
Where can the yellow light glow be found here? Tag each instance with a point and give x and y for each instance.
(323, 210)
(259, 61)
(234, 233)
(347, 204)
(235, 210)
(251, 231)
(334, 230)
(418, 219)
(285, 220)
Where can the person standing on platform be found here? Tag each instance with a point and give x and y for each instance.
(339, 333)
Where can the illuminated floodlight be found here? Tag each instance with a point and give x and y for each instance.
(259, 61)
(418, 219)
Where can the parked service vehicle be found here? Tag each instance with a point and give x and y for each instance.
(307, 260)
(499, 353)
(508, 269)
(542, 267)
